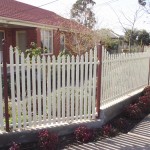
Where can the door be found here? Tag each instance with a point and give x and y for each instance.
(21, 40)
(1, 50)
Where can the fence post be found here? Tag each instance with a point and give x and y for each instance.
(99, 72)
(5, 84)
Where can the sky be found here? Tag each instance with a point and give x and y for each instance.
(107, 13)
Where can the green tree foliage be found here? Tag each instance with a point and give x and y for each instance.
(138, 37)
(130, 36)
(82, 13)
(143, 38)
(111, 44)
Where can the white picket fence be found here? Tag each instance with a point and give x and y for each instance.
(46, 91)
(122, 74)
(56, 90)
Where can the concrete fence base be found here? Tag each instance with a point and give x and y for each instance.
(111, 110)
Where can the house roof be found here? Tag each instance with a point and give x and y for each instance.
(20, 11)
(109, 33)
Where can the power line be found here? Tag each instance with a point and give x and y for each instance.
(48, 3)
(107, 3)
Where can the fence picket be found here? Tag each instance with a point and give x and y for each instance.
(49, 90)
(68, 103)
(76, 89)
(23, 89)
(29, 90)
(63, 89)
(18, 89)
(85, 85)
(81, 87)
(58, 89)
(72, 88)
(34, 91)
(90, 86)
(12, 87)
(94, 85)
(39, 90)
(54, 89)
(44, 89)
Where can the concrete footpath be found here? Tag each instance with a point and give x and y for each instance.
(137, 139)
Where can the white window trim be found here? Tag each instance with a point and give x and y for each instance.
(64, 41)
(52, 46)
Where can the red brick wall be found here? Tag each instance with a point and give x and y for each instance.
(38, 36)
(56, 42)
(31, 36)
(9, 41)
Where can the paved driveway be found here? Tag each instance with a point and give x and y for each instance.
(137, 139)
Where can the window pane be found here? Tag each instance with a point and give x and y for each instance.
(62, 42)
(46, 39)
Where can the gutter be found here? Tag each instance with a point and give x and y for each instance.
(11, 21)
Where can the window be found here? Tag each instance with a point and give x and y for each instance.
(47, 40)
(62, 42)
(21, 40)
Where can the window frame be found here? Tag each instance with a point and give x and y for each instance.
(64, 44)
(17, 38)
(43, 31)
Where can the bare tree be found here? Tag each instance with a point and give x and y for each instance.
(130, 22)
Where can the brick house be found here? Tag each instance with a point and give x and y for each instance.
(21, 24)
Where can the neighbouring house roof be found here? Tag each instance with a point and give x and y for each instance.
(15, 10)
(109, 33)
